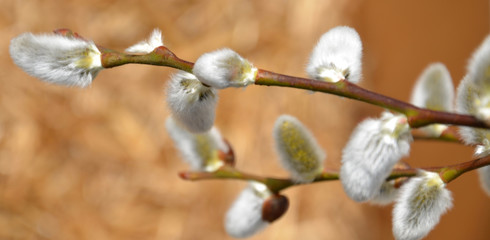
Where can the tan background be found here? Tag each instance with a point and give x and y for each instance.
(97, 163)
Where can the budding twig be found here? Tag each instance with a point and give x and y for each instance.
(447, 173)
(161, 56)
(417, 117)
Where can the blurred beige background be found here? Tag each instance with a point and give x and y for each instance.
(96, 163)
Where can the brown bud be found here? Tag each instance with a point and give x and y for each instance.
(274, 207)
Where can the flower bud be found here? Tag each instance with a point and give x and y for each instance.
(57, 59)
(201, 151)
(337, 56)
(474, 91)
(434, 90)
(191, 103)
(299, 153)
(148, 45)
(374, 147)
(423, 199)
(224, 68)
(244, 218)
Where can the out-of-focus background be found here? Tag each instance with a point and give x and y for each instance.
(97, 163)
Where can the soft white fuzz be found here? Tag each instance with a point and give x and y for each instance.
(299, 153)
(474, 91)
(434, 90)
(224, 68)
(386, 195)
(200, 151)
(466, 103)
(473, 98)
(244, 218)
(337, 56)
(484, 174)
(57, 59)
(191, 103)
(423, 199)
(148, 45)
(374, 147)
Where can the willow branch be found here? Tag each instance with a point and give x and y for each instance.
(417, 117)
(447, 173)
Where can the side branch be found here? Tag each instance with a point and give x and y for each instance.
(447, 173)
(161, 56)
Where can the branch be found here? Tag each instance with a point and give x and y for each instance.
(417, 117)
(447, 173)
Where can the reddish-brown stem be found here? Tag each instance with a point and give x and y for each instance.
(417, 117)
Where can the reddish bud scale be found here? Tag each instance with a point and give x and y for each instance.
(68, 33)
(274, 207)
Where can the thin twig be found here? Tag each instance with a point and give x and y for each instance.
(447, 173)
(449, 135)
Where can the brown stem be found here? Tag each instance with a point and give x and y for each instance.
(449, 135)
(447, 173)
(161, 56)
(417, 117)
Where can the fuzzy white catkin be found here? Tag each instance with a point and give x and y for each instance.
(224, 68)
(422, 201)
(298, 150)
(374, 147)
(200, 151)
(434, 90)
(57, 59)
(337, 55)
(465, 98)
(473, 98)
(148, 45)
(244, 218)
(191, 103)
(474, 91)
(484, 174)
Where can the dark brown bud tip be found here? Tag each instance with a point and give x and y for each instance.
(274, 207)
